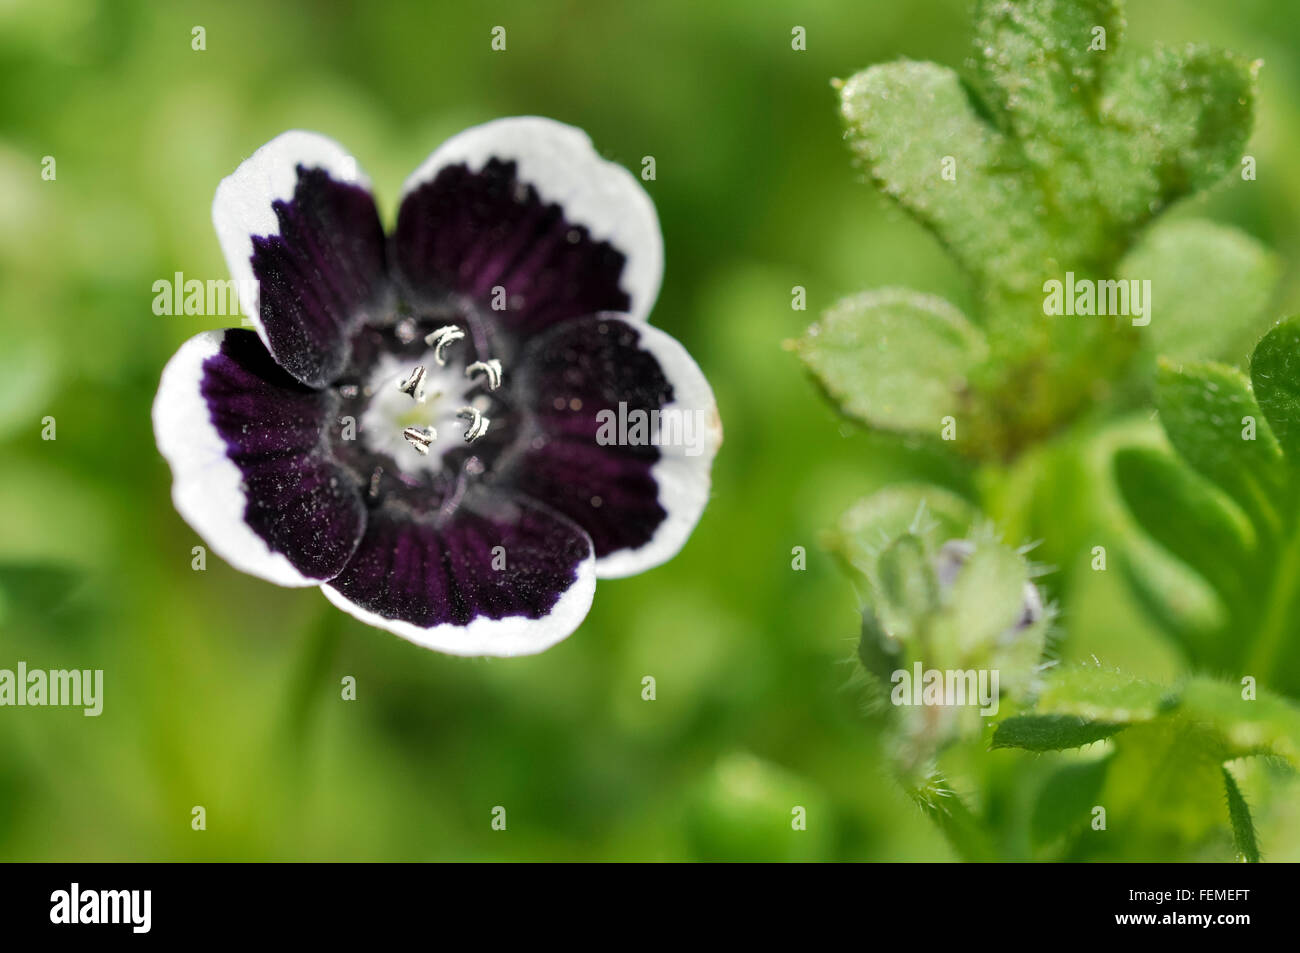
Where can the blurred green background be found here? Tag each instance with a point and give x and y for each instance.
(223, 691)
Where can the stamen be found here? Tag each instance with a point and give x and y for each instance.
(491, 370)
(414, 384)
(374, 481)
(420, 438)
(478, 423)
(439, 339)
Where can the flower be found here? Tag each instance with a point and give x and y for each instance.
(422, 423)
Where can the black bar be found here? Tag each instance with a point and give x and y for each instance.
(335, 901)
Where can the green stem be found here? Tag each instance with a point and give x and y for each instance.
(1271, 639)
(319, 649)
(964, 832)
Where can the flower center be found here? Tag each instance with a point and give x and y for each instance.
(416, 411)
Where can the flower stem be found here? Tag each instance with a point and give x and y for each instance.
(319, 649)
(1276, 621)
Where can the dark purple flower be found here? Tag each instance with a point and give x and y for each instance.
(456, 428)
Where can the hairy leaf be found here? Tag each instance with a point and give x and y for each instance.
(1183, 513)
(1051, 732)
(1243, 438)
(1275, 374)
(1079, 145)
(1170, 743)
(1208, 412)
(1263, 724)
(1185, 117)
(1097, 694)
(1050, 160)
(1037, 61)
(1084, 700)
(894, 359)
(1209, 288)
(1243, 828)
(906, 121)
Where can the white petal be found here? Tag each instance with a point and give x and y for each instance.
(242, 205)
(563, 165)
(683, 471)
(206, 484)
(503, 638)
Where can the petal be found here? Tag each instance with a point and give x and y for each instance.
(249, 472)
(527, 204)
(299, 227)
(443, 583)
(638, 492)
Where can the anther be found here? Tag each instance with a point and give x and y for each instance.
(491, 370)
(414, 384)
(478, 423)
(439, 339)
(420, 438)
(374, 481)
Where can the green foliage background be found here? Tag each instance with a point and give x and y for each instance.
(222, 690)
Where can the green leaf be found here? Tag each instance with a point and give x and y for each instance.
(1082, 700)
(1078, 146)
(1208, 410)
(1165, 784)
(1102, 695)
(1185, 515)
(1210, 286)
(1184, 117)
(1064, 806)
(1169, 755)
(1264, 724)
(894, 359)
(1227, 506)
(1036, 62)
(1051, 732)
(1183, 605)
(1054, 156)
(1275, 375)
(1243, 828)
(905, 120)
